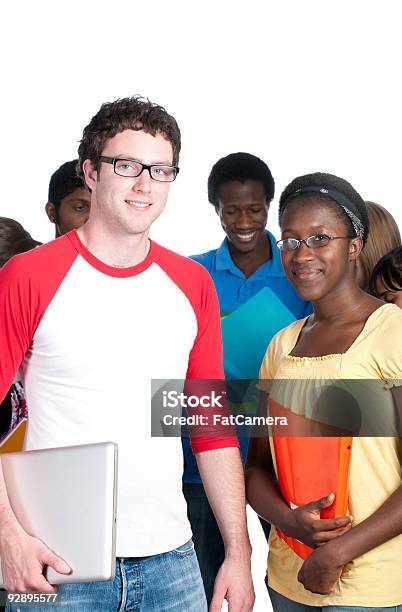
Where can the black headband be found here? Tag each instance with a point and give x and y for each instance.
(357, 215)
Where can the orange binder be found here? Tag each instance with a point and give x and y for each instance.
(15, 440)
(309, 468)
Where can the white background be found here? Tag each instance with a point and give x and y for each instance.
(307, 86)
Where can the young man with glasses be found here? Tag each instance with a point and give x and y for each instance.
(100, 382)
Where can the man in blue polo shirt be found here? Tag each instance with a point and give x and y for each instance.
(240, 187)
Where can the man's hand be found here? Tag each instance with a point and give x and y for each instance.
(23, 558)
(234, 583)
(321, 571)
(222, 473)
(304, 523)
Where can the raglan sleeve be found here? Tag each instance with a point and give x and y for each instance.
(17, 321)
(205, 369)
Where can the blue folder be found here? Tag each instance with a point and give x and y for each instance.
(249, 329)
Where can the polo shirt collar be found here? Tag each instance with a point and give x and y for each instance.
(273, 267)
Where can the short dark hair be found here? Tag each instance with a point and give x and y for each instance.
(389, 269)
(63, 182)
(135, 113)
(14, 239)
(322, 182)
(239, 167)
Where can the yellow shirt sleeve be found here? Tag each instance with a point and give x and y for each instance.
(387, 346)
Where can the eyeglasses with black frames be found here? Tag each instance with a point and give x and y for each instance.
(313, 242)
(131, 169)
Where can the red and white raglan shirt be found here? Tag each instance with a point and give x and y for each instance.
(89, 338)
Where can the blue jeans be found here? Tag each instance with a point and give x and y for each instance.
(206, 535)
(283, 604)
(169, 581)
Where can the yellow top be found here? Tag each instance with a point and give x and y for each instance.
(375, 578)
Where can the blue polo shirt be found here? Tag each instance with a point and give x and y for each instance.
(233, 289)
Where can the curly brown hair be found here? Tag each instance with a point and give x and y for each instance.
(135, 113)
(14, 239)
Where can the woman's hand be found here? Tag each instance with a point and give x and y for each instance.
(321, 570)
(304, 523)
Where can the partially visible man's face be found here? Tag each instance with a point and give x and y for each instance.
(129, 205)
(72, 213)
(243, 211)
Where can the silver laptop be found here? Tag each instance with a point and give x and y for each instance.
(67, 497)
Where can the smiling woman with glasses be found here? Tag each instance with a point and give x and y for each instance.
(353, 561)
(130, 168)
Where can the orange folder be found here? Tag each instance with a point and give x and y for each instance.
(15, 440)
(310, 467)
